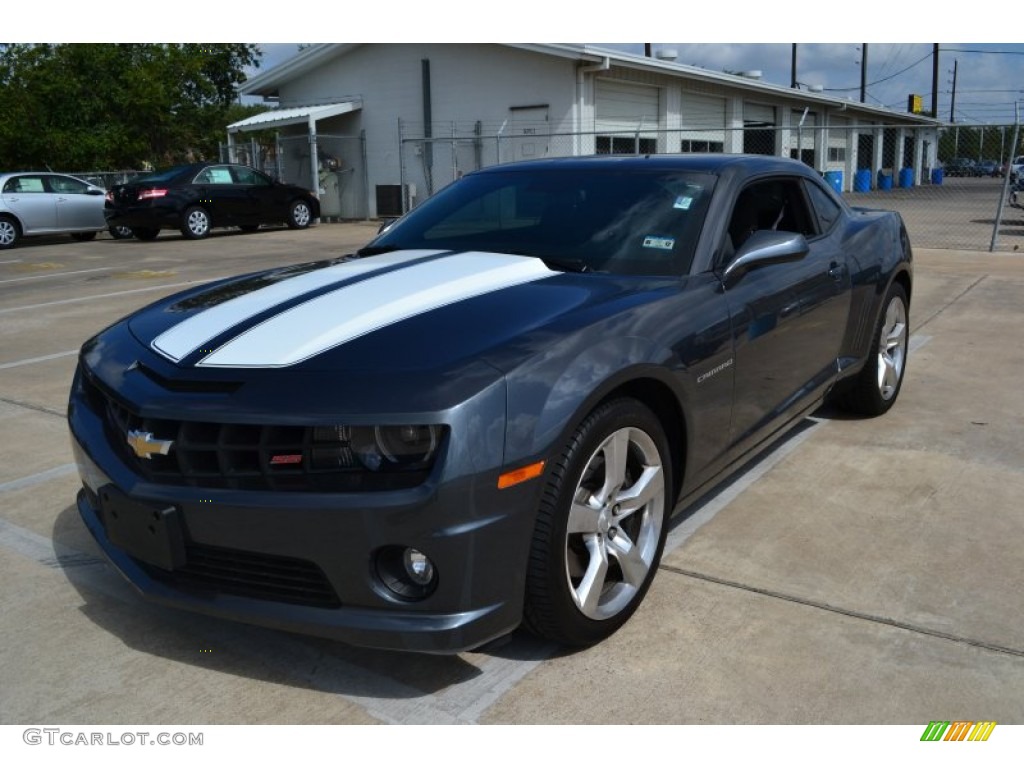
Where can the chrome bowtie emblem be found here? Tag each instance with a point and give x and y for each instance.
(145, 445)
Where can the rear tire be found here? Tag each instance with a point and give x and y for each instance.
(874, 390)
(10, 232)
(120, 233)
(600, 527)
(195, 223)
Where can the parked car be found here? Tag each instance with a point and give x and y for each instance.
(487, 415)
(1016, 194)
(960, 166)
(43, 203)
(988, 168)
(196, 198)
(1015, 167)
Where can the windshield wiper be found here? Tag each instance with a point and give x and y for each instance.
(566, 265)
(374, 250)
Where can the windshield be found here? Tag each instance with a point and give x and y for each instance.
(589, 220)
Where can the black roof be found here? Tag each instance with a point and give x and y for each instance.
(700, 163)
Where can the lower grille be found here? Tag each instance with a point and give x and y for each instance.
(249, 574)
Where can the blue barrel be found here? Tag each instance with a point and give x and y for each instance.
(906, 178)
(835, 180)
(884, 181)
(862, 180)
(936, 175)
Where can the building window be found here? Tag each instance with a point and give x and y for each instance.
(837, 154)
(625, 145)
(688, 145)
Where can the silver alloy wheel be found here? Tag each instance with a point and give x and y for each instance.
(8, 233)
(198, 222)
(892, 348)
(615, 523)
(300, 214)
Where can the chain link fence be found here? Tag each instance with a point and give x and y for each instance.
(939, 180)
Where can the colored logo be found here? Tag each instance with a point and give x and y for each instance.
(145, 445)
(958, 730)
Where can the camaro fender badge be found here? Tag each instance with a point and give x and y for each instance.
(145, 445)
(717, 369)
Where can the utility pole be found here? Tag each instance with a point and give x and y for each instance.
(952, 103)
(792, 83)
(863, 72)
(935, 81)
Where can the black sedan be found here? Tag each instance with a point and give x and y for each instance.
(487, 416)
(196, 198)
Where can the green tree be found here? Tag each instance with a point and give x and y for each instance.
(99, 106)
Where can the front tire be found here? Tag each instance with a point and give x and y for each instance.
(120, 233)
(195, 223)
(600, 527)
(874, 390)
(9, 232)
(299, 215)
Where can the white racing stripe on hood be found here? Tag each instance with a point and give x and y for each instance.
(356, 310)
(189, 335)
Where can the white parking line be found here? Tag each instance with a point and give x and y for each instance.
(55, 274)
(11, 261)
(36, 479)
(42, 359)
(43, 304)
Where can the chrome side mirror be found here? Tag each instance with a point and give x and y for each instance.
(762, 248)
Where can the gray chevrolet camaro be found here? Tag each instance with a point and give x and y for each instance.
(488, 415)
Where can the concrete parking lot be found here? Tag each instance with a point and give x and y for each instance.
(861, 571)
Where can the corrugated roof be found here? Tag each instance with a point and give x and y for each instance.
(294, 116)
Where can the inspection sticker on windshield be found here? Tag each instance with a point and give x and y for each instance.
(683, 202)
(661, 243)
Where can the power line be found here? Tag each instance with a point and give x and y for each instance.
(890, 77)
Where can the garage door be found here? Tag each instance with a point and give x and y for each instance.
(703, 121)
(622, 110)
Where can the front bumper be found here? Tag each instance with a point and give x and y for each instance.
(477, 537)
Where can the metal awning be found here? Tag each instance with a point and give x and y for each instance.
(294, 116)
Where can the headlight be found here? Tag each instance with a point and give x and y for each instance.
(380, 448)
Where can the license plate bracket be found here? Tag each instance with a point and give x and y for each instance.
(146, 531)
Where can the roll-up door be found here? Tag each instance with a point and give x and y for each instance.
(626, 117)
(703, 123)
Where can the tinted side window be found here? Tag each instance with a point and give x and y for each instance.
(777, 204)
(825, 207)
(245, 175)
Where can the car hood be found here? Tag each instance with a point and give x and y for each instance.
(401, 311)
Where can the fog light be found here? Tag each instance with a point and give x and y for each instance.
(405, 573)
(418, 566)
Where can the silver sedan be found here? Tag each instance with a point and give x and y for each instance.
(41, 203)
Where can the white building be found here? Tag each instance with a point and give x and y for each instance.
(382, 126)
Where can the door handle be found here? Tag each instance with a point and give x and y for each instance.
(837, 271)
